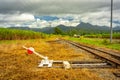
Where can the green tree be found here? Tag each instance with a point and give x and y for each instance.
(57, 30)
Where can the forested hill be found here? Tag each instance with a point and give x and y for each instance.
(82, 28)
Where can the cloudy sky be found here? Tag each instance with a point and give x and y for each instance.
(42, 13)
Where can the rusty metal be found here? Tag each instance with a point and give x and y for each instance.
(117, 74)
(82, 64)
(106, 55)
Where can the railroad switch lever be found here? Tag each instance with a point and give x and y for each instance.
(45, 62)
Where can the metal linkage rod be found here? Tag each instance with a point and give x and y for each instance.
(32, 50)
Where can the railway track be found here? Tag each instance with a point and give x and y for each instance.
(109, 56)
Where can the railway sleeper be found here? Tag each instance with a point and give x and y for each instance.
(81, 64)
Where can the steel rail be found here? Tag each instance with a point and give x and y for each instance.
(109, 56)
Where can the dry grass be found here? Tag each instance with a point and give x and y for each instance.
(16, 64)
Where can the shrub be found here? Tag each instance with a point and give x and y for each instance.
(106, 42)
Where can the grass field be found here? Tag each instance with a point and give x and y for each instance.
(107, 36)
(16, 64)
(105, 43)
(14, 34)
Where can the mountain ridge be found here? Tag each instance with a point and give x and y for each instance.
(85, 27)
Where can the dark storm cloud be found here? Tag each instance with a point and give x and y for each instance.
(41, 7)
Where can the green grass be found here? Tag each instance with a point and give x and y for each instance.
(115, 35)
(13, 34)
(98, 42)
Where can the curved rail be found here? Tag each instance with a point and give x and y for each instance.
(109, 56)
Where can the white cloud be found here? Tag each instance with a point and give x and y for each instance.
(47, 7)
(96, 12)
(17, 17)
(43, 23)
(101, 18)
(39, 24)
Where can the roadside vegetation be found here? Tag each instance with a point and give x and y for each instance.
(14, 34)
(105, 43)
(86, 33)
(116, 35)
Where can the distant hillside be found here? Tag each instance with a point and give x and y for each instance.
(117, 29)
(26, 28)
(88, 26)
(82, 28)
